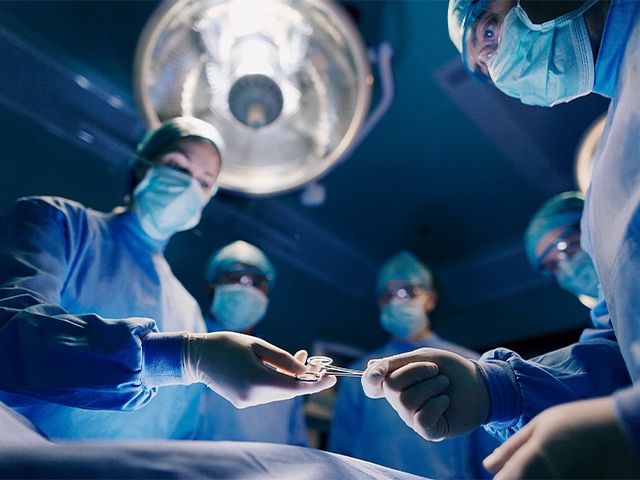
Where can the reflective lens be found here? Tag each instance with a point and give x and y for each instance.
(403, 291)
(562, 248)
(244, 278)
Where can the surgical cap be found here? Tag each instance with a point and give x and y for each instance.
(404, 266)
(235, 257)
(175, 129)
(562, 210)
(461, 16)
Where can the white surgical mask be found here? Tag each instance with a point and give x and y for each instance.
(543, 64)
(404, 318)
(168, 201)
(238, 307)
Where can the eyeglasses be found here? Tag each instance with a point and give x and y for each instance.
(403, 291)
(480, 28)
(243, 278)
(564, 246)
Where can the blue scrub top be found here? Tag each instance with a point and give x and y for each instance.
(370, 429)
(79, 292)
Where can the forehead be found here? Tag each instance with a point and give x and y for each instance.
(196, 150)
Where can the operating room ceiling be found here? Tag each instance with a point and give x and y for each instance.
(452, 172)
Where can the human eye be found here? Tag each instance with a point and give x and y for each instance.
(489, 31)
(205, 185)
(176, 161)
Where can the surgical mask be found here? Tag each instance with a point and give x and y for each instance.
(404, 318)
(168, 201)
(577, 275)
(238, 307)
(543, 64)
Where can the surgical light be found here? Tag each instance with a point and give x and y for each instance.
(286, 82)
(586, 151)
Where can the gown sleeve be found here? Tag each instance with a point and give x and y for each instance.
(520, 389)
(49, 354)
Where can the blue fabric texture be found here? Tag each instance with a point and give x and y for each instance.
(370, 429)
(611, 220)
(520, 389)
(80, 292)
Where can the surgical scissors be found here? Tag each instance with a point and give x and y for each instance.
(319, 366)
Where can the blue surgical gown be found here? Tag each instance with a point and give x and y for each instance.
(80, 291)
(275, 422)
(370, 429)
(606, 363)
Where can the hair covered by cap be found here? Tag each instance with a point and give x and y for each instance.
(404, 266)
(564, 209)
(228, 258)
(175, 129)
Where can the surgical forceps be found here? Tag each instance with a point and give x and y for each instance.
(319, 366)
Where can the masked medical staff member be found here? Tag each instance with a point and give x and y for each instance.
(240, 279)
(595, 47)
(92, 318)
(552, 244)
(370, 429)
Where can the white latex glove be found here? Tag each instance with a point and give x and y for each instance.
(574, 440)
(233, 364)
(437, 393)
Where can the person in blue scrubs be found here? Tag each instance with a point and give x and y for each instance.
(240, 279)
(93, 319)
(370, 429)
(552, 244)
(546, 53)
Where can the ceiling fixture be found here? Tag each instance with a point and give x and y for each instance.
(286, 82)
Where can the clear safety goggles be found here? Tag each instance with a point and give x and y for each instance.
(563, 247)
(474, 18)
(252, 279)
(403, 291)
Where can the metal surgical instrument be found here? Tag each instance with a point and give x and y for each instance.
(319, 366)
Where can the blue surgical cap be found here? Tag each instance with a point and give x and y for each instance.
(404, 266)
(175, 129)
(235, 257)
(562, 210)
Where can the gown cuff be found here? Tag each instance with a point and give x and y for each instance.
(162, 354)
(501, 382)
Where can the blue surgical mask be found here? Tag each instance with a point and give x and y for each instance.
(404, 318)
(238, 307)
(577, 275)
(543, 64)
(168, 201)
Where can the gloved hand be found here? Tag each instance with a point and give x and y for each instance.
(233, 364)
(574, 440)
(437, 393)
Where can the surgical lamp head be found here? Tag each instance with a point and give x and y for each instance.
(561, 210)
(404, 266)
(240, 256)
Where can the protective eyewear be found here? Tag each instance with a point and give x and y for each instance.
(564, 246)
(473, 16)
(404, 292)
(244, 278)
